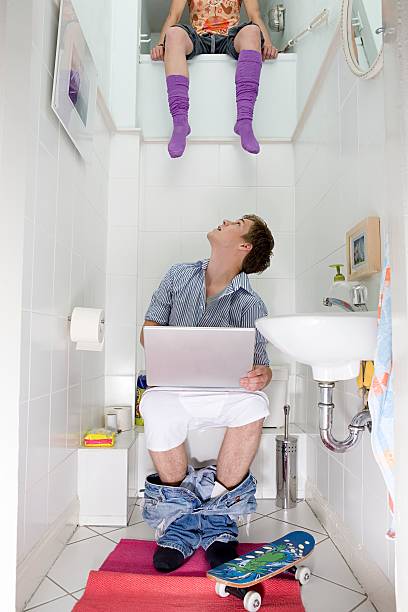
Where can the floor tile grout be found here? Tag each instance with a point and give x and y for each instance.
(360, 604)
(296, 525)
(340, 585)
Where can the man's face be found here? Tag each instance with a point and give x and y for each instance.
(230, 233)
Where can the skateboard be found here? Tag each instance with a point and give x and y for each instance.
(283, 555)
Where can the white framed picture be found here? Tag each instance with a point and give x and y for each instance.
(75, 81)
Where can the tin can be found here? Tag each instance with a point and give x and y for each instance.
(141, 386)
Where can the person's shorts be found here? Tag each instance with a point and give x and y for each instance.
(170, 414)
(214, 43)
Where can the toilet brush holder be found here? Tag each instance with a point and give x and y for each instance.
(286, 467)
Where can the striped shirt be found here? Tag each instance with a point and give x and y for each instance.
(180, 300)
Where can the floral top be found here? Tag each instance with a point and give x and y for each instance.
(214, 16)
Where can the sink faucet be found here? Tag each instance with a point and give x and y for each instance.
(328, 301)
(359, 300)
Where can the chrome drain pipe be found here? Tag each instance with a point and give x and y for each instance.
(359, 422)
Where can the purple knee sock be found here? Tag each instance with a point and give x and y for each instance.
(177, 91)
(247, 84)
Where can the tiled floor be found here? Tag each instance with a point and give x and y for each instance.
(332, 587)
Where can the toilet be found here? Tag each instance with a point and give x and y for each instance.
(203, 446)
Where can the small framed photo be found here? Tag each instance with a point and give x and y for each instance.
(363, 249)
(75, 81)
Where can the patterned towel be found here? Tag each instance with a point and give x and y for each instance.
(380, 398)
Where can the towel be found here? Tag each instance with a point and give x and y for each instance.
(380, 398)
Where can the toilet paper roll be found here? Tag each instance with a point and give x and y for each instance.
(87, 328)
(111, 421)
(124, 416)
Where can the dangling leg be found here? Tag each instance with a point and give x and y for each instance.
(178, 45)
(248, 44)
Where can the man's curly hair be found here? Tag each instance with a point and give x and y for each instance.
(260, 236)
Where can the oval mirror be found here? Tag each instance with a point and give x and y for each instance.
(362, 35)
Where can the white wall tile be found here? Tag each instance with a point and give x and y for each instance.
(36, 513)
(124, 160)
(276, 205)
(28, 260)
(194, 246)
(46, 203)
(158, 251)
(236, 202)
(43, 277)
(121, 356)
(275, 166)
(74, 417)
(282, 264)
(38, 440)
(22, 478)
(353, 505)
(62, 281)
(323, 472)
(121, 299)
(119, 390)
(161, 208)
(237, 168)
(58, 428)
(40, 363)
(123, 201)
(198, 166)
(60, 341)
(25, 356)
(336, 486)
(122, 250)
(62, 487)
(278, 294)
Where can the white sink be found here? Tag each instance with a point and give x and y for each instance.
(332, 343)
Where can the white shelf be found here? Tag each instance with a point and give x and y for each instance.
(107, 481)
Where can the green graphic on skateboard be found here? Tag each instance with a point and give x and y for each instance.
(285, 554)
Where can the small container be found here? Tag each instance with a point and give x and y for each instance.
(286, 467)
(141, 386)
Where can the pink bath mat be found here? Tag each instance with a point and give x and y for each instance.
(128, 582)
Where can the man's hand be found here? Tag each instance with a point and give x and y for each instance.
(157, 53)
(257, 378)
(269, 51)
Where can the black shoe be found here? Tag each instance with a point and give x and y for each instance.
(221, 552)
(167, 559)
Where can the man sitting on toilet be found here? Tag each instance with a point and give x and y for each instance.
(191, 508)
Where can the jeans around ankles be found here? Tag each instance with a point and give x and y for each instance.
(186, 517)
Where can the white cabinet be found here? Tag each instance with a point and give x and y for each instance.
(107, 482)
(212, 98)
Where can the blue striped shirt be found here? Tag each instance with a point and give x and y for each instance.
(180, 300)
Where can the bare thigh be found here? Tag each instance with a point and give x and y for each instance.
(248, 38)
(177, 39)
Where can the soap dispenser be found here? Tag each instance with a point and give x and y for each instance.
(340, 288)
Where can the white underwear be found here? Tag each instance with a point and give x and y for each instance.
(169, 413)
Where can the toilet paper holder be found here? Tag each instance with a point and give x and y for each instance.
(87, 328)
(70, 317)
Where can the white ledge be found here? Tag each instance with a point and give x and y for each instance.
(219, 57)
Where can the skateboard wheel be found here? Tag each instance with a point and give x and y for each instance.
(303, 574)
(252, 601)
(220, 589)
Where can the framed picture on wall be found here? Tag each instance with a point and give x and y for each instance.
(363, 249)
(75, 81)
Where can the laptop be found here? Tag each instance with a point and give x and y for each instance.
(209, 357)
